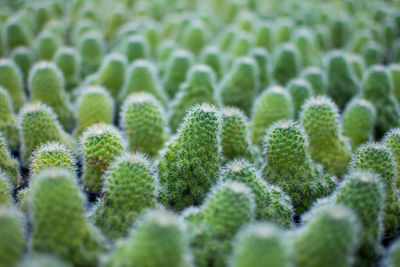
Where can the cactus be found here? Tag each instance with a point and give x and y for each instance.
(189, 165)
(264, 37)
(195, 37)
(38, 124)
(11, 80)
(340, 32)
(5, 190)
(363, 193)
(262, 59)
(329, 238)
(304, 42)
(91, 50)
(12, 243)
(235, 142)
(129, 190)
(393, 259)
(289, 165)
(46, 85)
(136, 47)
(141, 77)
(101, 144)
(177, 67)
(23, 57)
(271, 203)
(241, 46)
(8, 164)
(15, 34)
(316, 77)
(260, 245)
(46, 46)
(157, 230)
(112, 74)
(328, 147)
(392, 142)
(240, 85)
(67, 60)
(299, 90)
(152, 37)
(342, 83)
(378, 159)
(8, 123)
(43, 260)
(377, 89)
(373, 54)
(142, 119)
(394, 71)
(80, 243)
(357, 65)
(94, 105)
(284, 30)
(198, 88)
(358, 121)
(211, 57)
(272, 105)
(286, 64)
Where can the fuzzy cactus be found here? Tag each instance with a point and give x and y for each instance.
(272, 105)
(159, 231)
(101, 144)
(112, 74)
(12, 243)
(8, 123)
(136, 47)
(67, 60)
(342, 83)
(373, 54)
(37, 125)
(377, 88)
(394, 71)
(129, 190)
(340, 32)
(271, 203)
(240, 85)
(260, 245)
(91, 50)
(94, 105)
(378, 159)
(42, 260)
(264, 37)
(143, 122)
(46, 46)
(393, 259)
(46, 85)
(363, 193)
(357, 65)
(286, 64)
(198, 88)
(195, 37)
(177, 67)
(392, 141)
(328, 147)
(289, 165)
(299, 90)
(189, 165)
(329, 238)
(80, 243)
(8, 164)
(141, 77)
(211, 57)
(358, 121)
(5, 190)
(15, 34)
(241, 45)
(11, 80)
(24, 58)
(262, 58)
(316, 77)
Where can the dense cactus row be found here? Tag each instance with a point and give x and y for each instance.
(191, 133)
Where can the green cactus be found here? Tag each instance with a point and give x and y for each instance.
(260, 245)
(153, 37)
(67, 60)
(12, 243)
(264, 37)
(23, 57)
(377, 158)
(262, 59)
(328, 147)
(272, 105)
(189, 165)
(143, 122)
(286, 64)
(329, 238)
(46, 46)
(304, 42)
(357, 65)
(394, 71)
(11, 80)
(8, 123)
(240, 85)
(289, 165)
(91, 50)
(5, 190)
(195, 37)
(8, 164)
(59, 226)
(358, 121)
(392, 141)
(112, 74)
(141, 77)
(342, 83)
(177, 67)
(211, 57)
(164, 53)
(43, 260)
(299, 90)
(46, 85)
(37, 125)
(373, 54)
(377, 89)
(15, 34)
(316, 77)
(235, 142)
(284, 30)
(94, 105)
(340, 32)
(393, 259)
(241, 45)
(136, 47)
(129, 190)
(101, 144)
(271, 203)
(198, 88)
(363, 193)
(157, 231)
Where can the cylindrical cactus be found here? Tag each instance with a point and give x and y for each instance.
(91, 49)
(136, 47)
(392, 141)
(8, 164)
(262, 59)
(340, 32)
(195, 37)
(299, 90)
(46, 46)
(5, 190)
(24, 58)
(11, 80)
(112, 74)
(394, 71)
(286, 64)
(316, 77)
(15, 34)
(67, 60)
(8, 123)
(211, 57)
(393, 259)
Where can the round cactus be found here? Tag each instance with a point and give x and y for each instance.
(8, 123)
(195, 38)
(286, 64)
(136, 47)
(23, 57)
(299, 90)
(316, 77)
(112, 74)
(91, 50)
(142, 119)
(189, 165)
(46, 46)
(11, 80)
(212, 58)
(241, 46)
(67, 60)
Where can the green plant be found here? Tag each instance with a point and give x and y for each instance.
(136, 47)
(300, 90)
(316, 77)
(8, 164)
(8, 123)
(112, 74)
(91, 49)
(11, 81)
(68, 62)
(286, 64)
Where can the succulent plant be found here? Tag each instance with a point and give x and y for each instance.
(286, 64)
(111, 74)
(68, 60)
(11, 81)
(8, 164)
